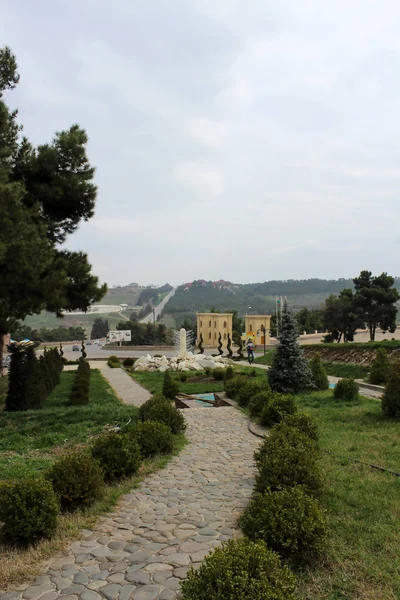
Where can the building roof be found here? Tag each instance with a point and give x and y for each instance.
(257, 316)
(215, 314)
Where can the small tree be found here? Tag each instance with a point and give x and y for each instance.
(289, 372)
(170, 387)
(15, 399)
(229, 346)
(220, 344)
(391, 398)
(319, 376)
(379, 367)
(201, 349)
(240, 349)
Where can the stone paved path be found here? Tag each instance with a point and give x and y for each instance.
(176, 516)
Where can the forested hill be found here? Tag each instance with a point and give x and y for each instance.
(203, 295)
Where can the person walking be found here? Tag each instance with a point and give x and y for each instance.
(250, 351)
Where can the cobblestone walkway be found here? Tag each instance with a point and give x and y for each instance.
(176, 516)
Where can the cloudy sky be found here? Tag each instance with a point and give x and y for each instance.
(239, 140)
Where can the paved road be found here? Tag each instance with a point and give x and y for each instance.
(144, 549)
(158, 309)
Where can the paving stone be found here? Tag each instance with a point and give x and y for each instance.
(116, 578)
(80, 578)
(91, 595)
(173, 583)
(35, 591)
(111, 591)
(167, 595)
(72, 590)
(126, 592)
(82, 558)
(48, 596)
(147, 592)
(100, 575)
(12, 596)
(61, 582)
(138, 577)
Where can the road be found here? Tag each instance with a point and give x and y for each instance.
(158, 309)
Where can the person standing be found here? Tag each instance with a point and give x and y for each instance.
(250, 351)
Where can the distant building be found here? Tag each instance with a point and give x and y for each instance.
(257, 329)
(213, 324)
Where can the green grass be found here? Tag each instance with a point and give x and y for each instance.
(30, 441)
(3, 390)
(154, 381)
(363, 505)
(346, 370)
(265, 359)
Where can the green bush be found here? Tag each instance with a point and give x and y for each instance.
(288, 457)
(277, 409)
(170, 387)
(128, 362)
(258, 403)
(80, 389)
(229, 373)
(319, 376)
(162, 410)
(119, 455)
(240, 570)
(219, 374)
(29, 510)
(250, 389)
(390, 403)
(113, 362)
(379, 368)
(153, 438)
(183, 377)
(288, 521)
(234, 385)
(77, 480)
(207, 371)
(346, 389)
(303, 423)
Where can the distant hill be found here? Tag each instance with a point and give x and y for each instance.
(202, 295)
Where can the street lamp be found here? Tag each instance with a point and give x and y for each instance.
(154, 322)
(263, 331)
(248, 309)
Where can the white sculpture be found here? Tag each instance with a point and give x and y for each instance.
(182, 343)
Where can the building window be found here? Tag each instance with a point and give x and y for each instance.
(224, 324)
(251, 328)
(201, 323)
(209, 336)
(215, 323)
(209, 324)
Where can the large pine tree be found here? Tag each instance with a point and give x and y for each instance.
(289, 372)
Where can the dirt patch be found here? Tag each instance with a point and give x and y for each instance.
(347, 354)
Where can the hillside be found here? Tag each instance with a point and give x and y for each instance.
(202, 295)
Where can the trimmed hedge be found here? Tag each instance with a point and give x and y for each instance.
(162, 410)
(250, 388)
(240, 570)
(153, 438)
(288, 521)
(286, 458)
(29, 510)
(128, 362)
(390, 403)
(119, 455)
(302, 422)
(113, 362)
(79, 395)
(77, 480)
(346, 389)
(277, 408)
(258, 403)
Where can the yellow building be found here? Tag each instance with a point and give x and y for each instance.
(257, 329)
(213, 324)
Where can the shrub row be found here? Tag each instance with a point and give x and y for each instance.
(29, 508)
(79, 395)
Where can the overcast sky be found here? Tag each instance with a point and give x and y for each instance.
(239, 140)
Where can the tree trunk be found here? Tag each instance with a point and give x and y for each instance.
(371, 333)
(2, 337)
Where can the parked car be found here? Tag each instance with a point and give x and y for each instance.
(75, 348)
(89, 343)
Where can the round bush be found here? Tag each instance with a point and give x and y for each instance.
(302, 422)
(77, 480)
(219, 374)
(286, 458)
(250, 389)
(162, 410)
(29, 510)
(288, 521)
(277, 409)
(183, 377)
(319, 376)
(153, 438)
(346, 389)
(128, 362)
(229, 373)
(234, 385)
(119, 455)
(390, 403)
(258, 403)
(240, 570)
(113, 362)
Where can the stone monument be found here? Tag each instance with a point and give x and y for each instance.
(182, 343)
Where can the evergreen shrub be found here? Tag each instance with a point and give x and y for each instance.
(240, 570)
(229, 373)
(219, 374)
(170, 387)
(113, 362)
(288, 457)
(302, 422)
(250, 389)
(162, 410)
(119, 455)
(79, 395)
(319, 376)
(346, 389)
(29, 510)
(258, 403)
(153, 438)
(234, 385)
(379, 368)
(288, 521)
(278, 407)
(128, 362)
(390, 402)
(77, 480)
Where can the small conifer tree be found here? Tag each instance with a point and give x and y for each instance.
(319, 376)
(391, 398)
(289, 372)
(170, 387)
(379, 368)
(220, 352)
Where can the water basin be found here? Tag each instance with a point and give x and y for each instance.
(332, 386)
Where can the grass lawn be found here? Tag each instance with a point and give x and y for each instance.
(363, 561)
(30, 441)
(346, 370)
(154, 381)
(265, 359)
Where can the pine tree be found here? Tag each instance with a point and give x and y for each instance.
(170, 387)
(390, 403)
(289, 372)
(319, 376)
(379, 367)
